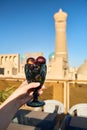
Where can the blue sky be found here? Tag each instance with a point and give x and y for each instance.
(28, 26)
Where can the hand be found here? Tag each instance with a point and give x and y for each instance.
(19, 97)
(25, 91)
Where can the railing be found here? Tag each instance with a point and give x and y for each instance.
(67, 93)
(67, 84)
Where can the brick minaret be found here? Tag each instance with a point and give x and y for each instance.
(60, 26)
(58, 67)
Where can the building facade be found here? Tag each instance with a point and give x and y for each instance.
(9, 64)
(57, 67)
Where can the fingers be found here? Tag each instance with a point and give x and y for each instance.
(29, 88)
(31, 93)
(24, 83)
(32, 89)
(40, 91)
(33, 85)
(30, 85)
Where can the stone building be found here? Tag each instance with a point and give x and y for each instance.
(12, 65)
(58, 62)
(57, 68)
(9, 64)
(82, 71)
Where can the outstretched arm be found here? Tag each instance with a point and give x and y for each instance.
(19, 97)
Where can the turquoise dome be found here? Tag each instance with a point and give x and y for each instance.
(51, 56)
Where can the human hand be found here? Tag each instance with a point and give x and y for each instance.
(24, 92)
(20, 96)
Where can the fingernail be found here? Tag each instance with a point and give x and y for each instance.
(38, 83)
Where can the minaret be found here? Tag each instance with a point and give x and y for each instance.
(60, 27)
(58, 67)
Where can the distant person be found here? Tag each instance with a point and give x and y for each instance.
(19, 97)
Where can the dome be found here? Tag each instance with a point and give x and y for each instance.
(22, 57)
(51, 56)
(83, 68)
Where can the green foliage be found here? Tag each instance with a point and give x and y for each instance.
(4, 94)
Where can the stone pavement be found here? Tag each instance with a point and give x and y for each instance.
(33, 120)
(14, 126)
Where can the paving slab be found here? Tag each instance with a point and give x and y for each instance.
(14, 126)
(37, 119)
(79, 122)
